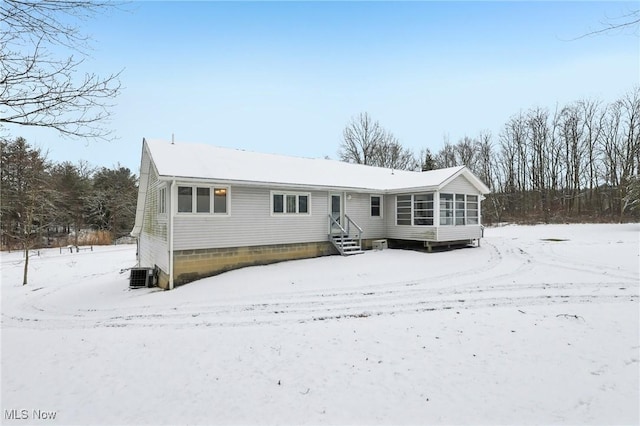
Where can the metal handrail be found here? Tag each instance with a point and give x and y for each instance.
(345, 232)
(335, 222)
(349, 220)
(360, 231)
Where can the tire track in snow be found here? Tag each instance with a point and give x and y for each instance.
(287, 311)
(470, 289)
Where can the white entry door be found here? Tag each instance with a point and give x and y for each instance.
(336, 211)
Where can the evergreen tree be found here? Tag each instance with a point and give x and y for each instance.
(26, 206)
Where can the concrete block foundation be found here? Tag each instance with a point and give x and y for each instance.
(191, 265)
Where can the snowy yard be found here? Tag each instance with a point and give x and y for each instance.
(540, 325)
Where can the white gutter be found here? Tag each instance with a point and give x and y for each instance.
(170, 231)
(293, 186)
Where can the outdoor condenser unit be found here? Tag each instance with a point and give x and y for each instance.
(141, 277)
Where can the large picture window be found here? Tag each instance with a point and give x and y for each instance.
(289, 203)
(198, 199)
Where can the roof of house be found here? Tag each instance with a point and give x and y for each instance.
(201, 161)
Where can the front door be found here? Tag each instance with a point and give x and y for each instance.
(336, 212)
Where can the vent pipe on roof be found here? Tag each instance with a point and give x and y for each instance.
(173, 139)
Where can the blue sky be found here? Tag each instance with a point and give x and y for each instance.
(286, 77)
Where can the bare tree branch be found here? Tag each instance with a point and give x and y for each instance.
(629, 20)
(41, 90)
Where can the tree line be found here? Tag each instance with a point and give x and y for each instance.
(46, 203)
(577, 162)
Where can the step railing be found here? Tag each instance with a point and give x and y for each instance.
(345, 232)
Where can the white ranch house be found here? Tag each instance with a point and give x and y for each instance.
(203, 210)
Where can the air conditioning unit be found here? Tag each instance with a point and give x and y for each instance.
(141, 277)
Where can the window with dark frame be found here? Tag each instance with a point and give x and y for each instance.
(185, 202)
(375, 206)
(220, 200)
(303, 204)
(203, 202)
(284, 203)
(278, 203)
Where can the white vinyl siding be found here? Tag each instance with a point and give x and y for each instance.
(358, 208)
(252, 222)
(152, 242)
(420, 209)
(459, 185)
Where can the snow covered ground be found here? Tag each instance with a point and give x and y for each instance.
(540, 325)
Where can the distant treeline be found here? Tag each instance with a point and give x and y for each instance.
(46, 203)
(577, 162)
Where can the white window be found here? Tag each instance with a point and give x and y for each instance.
(403, 209)
(220, 200)
(289, 203)
(185, 199)
(376, 206)
(198, 199)
(472, 209)
(446, 209)
(203, 200)
(460, 209)
(162, 200)
(423, 209)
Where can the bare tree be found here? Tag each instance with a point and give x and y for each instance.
(365, 141)
(447, 155)
(485, 153)
(360, 140)
(390, 154)
(38, 88)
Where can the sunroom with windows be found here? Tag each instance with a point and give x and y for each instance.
(453, 209)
